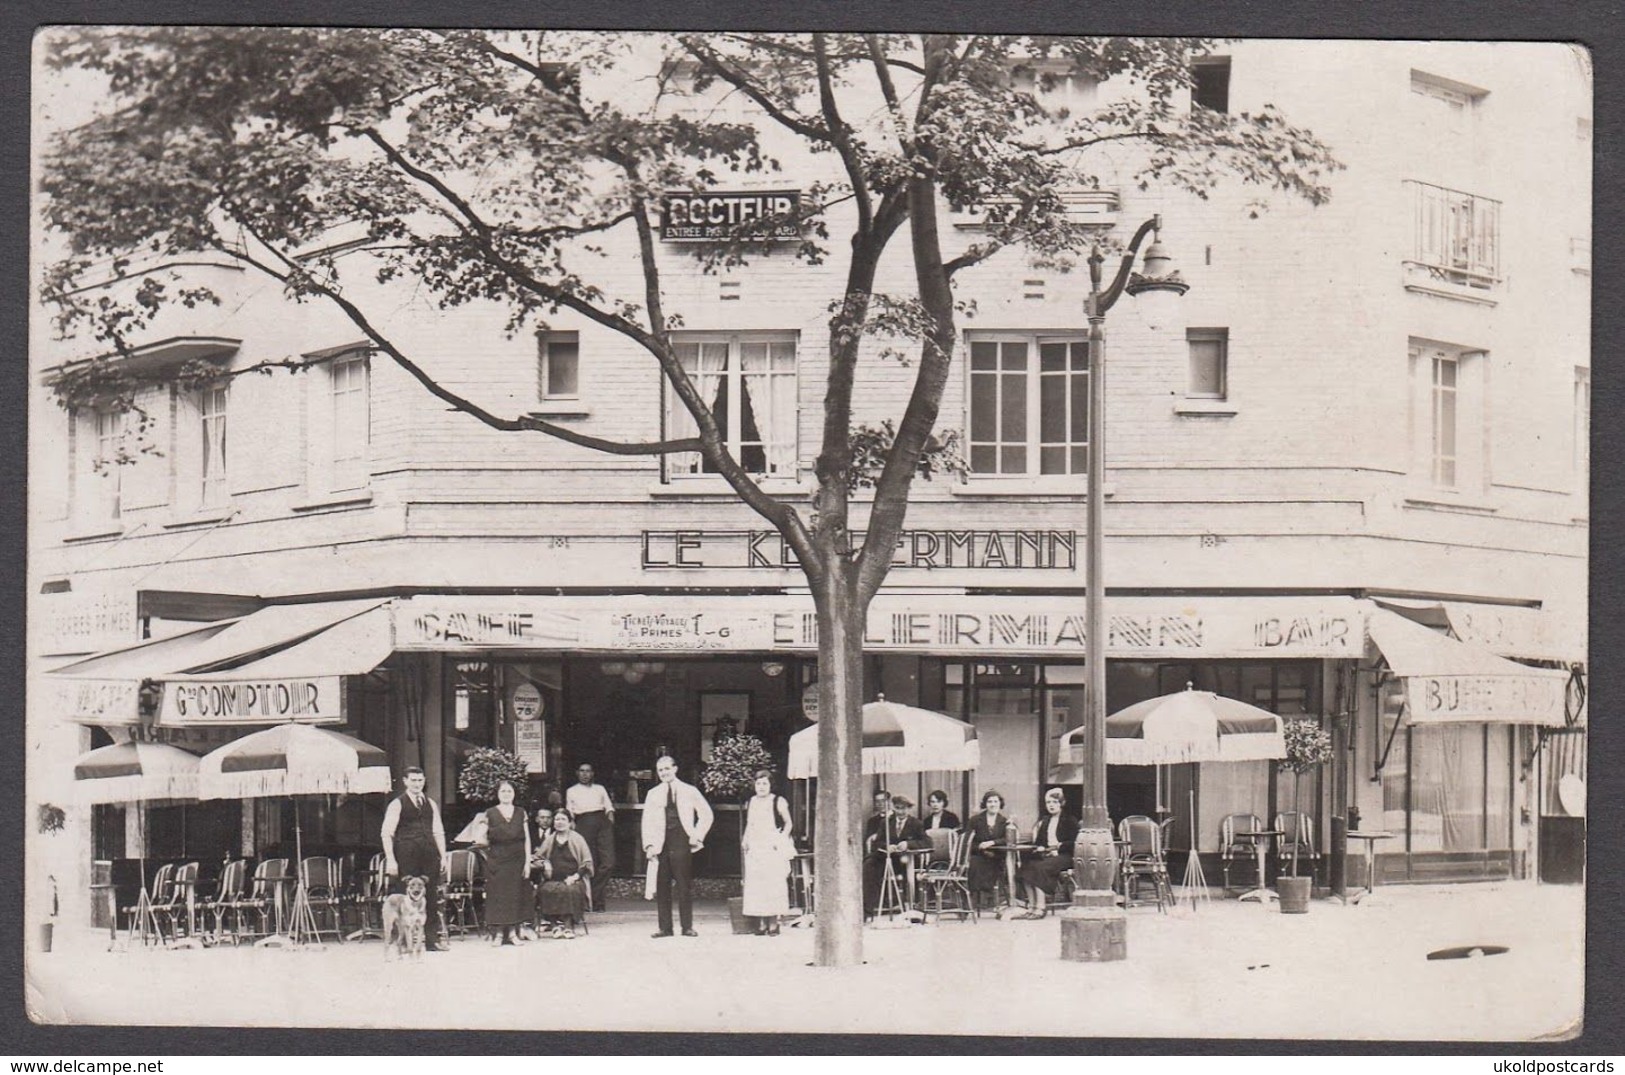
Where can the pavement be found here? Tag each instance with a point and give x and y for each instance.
(1222, 970)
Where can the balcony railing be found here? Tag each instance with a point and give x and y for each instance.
(1458, 236)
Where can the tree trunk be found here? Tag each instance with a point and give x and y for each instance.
(838, 935)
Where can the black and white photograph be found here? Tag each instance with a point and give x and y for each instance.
(862, 533)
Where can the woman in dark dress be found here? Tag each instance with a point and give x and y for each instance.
(937, 814)
(1051, 855)
(507, 840)
(566, 865)
(987, 831)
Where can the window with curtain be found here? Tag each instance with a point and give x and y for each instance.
(212, 424)
(105, 500)
(1447, 788)
(749, 382)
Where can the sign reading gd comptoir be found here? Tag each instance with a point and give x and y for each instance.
(314, 700)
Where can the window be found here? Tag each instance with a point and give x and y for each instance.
(1448, 415)
(1457, 236)
(1026, 424)
(1210, 83)
(105, 496)
(559, 365)
(749, 382)
(351, 422)
(212, 423)
(1209, 362)
(1055, 83)
(1444, 95)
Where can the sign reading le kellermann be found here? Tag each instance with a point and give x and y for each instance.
(980, 549)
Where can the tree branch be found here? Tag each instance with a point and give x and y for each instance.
(734, 78)
(841, 136)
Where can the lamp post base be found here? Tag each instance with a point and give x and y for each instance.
(1094, 935)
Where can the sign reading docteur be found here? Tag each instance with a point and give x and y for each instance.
(721, 215)
(314, 700)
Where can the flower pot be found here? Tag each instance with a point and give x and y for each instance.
(1294, 893)
(736, 915)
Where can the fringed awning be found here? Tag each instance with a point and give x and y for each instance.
(1188, 726)
(135, 772)
(293, 759)
(897, 739)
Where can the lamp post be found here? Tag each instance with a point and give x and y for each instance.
(1094, 930)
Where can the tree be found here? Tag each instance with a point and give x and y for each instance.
(251, 142)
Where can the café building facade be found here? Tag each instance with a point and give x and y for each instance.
(1403, 564)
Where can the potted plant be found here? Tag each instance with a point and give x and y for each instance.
(729, 775)
(1308, 746)
(52, 819)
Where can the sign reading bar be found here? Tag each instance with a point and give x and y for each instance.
(317, 699)
(722, 215)
(978, 549)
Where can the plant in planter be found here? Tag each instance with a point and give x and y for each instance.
(734, 761)
(1308, 747)
(52, 818)
(486, 767)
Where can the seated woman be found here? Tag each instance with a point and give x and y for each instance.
(566, 865)
(987, 832)
(937, 814)
(1052, 856)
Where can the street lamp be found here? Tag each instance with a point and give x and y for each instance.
(1095, 930)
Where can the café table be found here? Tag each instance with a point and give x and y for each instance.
(1012, 860)
(1260, 839)
(893, 891)
(1370, 838)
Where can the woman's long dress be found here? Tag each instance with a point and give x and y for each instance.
(556, 899)
(767, 870)
(505, 883)
(986, 867)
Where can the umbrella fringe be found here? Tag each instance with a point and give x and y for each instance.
(267, 783)
(136, 787)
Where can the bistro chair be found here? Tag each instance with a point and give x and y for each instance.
(938, 880)
(228, 893)
(369, 900)
(177, 912)
(264, 898)
(1234, 849)
(458, 893)
(1143, 860)
(161, 891)
(1297, 834)
(320, 877)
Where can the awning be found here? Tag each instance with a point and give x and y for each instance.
(280, 663)
(1448, 681)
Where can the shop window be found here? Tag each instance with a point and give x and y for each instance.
(1210, 83)
(749, 382)
(559, 366)
(1209, 363)
(1029, 419)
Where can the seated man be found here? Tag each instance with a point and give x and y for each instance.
(885, 834)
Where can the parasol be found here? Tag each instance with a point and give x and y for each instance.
(897, 739)
(1187, 726)
(129, 773)
(292, 760)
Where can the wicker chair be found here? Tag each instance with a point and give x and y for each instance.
(1298, 835)
(228, 893)
(320, 876)
(1143, 860)
(459, 892)
(939, 880)
(1234, 849)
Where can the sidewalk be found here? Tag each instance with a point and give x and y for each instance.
(1224, 970)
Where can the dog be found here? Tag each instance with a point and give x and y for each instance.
(405, 916)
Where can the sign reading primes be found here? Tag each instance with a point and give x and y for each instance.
(313, 700)
(721, 215)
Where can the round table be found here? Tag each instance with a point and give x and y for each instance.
(1012, 859)
(897, 897)
(1260, 837)
(1370, 839)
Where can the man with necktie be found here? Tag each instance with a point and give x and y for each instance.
(676, 818)
(415, 846)
(888, 832)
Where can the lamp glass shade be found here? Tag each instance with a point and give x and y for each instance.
(1157, 307)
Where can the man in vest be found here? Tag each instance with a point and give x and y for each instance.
(676, 818)
(415, 846)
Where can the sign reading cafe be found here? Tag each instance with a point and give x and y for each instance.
(721, 215)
